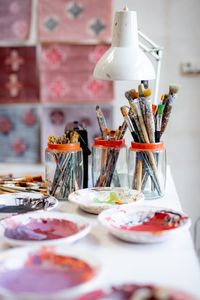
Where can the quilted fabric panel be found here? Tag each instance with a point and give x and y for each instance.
(75, 21)
(19, 134)
(18, 75)
(66, 74)
(15, 16)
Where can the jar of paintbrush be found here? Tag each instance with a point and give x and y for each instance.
(63, 165)
(109, 163)
(147, 169)
(147, 123)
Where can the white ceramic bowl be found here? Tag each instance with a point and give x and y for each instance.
(48, 203)
(120, 222)
(95, 200)
(67, 259)
(137, 291)
(23, 229)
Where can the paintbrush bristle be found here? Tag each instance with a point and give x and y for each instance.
(147, 92)
(173, 89)
(134, 94)
(141, 90)
(127, 95)
(124, 110)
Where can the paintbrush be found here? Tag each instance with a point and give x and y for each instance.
(101, 121)
(131, 95)
(125, 113)
(122, 131)
(173, 90)
(20, 189)
(159, 115)
(141, 120)
(148, 113)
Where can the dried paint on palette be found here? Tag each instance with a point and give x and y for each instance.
(15, 17)
(41, 229)
(19, 134)
(56, 273)
(56, 119)
(66, 75)
(75, 21)
(16, 84)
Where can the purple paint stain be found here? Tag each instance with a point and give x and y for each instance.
(42, 229)
(40, 280)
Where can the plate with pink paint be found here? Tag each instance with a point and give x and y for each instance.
(56, 272)
(43, 228)
(95, 200)
(133, 291)
(143, 224)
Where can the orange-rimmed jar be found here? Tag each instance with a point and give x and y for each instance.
(147, 169)
(109, 163)
(63, 169)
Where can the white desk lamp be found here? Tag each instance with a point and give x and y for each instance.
(124, 60)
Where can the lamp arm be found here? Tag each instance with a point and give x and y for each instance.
(155, 51)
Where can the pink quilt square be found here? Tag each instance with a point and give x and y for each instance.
(18, 75)
(15, 16)
(82, 21)
(66, 74)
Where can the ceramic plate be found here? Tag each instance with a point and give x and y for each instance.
(95, 200)
(46, 273)
(136, 291)
(23, 202)
(43, 228)
(143, 224)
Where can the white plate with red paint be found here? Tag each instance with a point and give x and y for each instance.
(56, 272)
(43, 228)
(143, 224)
(137, 291)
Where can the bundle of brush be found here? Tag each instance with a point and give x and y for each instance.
(63, 165)
(147, 122)
(108, 173)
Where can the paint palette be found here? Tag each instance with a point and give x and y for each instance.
(43, 228)
(95, 200)
(15, 203)
(46, 272)
(143, 224)
(136, 291)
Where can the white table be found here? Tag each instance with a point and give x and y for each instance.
(172, 263)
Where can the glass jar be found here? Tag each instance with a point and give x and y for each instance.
(147, 169)
(63, 169)
(109, 163)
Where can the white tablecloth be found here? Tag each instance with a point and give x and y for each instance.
(172, 263)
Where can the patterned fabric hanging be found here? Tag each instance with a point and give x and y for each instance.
(66, 74)
(15, 17)
(19, 134)
(18, 76)
(82, 21)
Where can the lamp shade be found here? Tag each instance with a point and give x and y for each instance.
(124, 60)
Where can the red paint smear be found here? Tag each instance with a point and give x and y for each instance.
(46, 272)
(42, 229)
(159, 222)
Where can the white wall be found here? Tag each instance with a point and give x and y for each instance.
(175, 24)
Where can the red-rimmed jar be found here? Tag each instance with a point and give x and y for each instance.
(147, 169)
(109, 163)
(63, 169)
